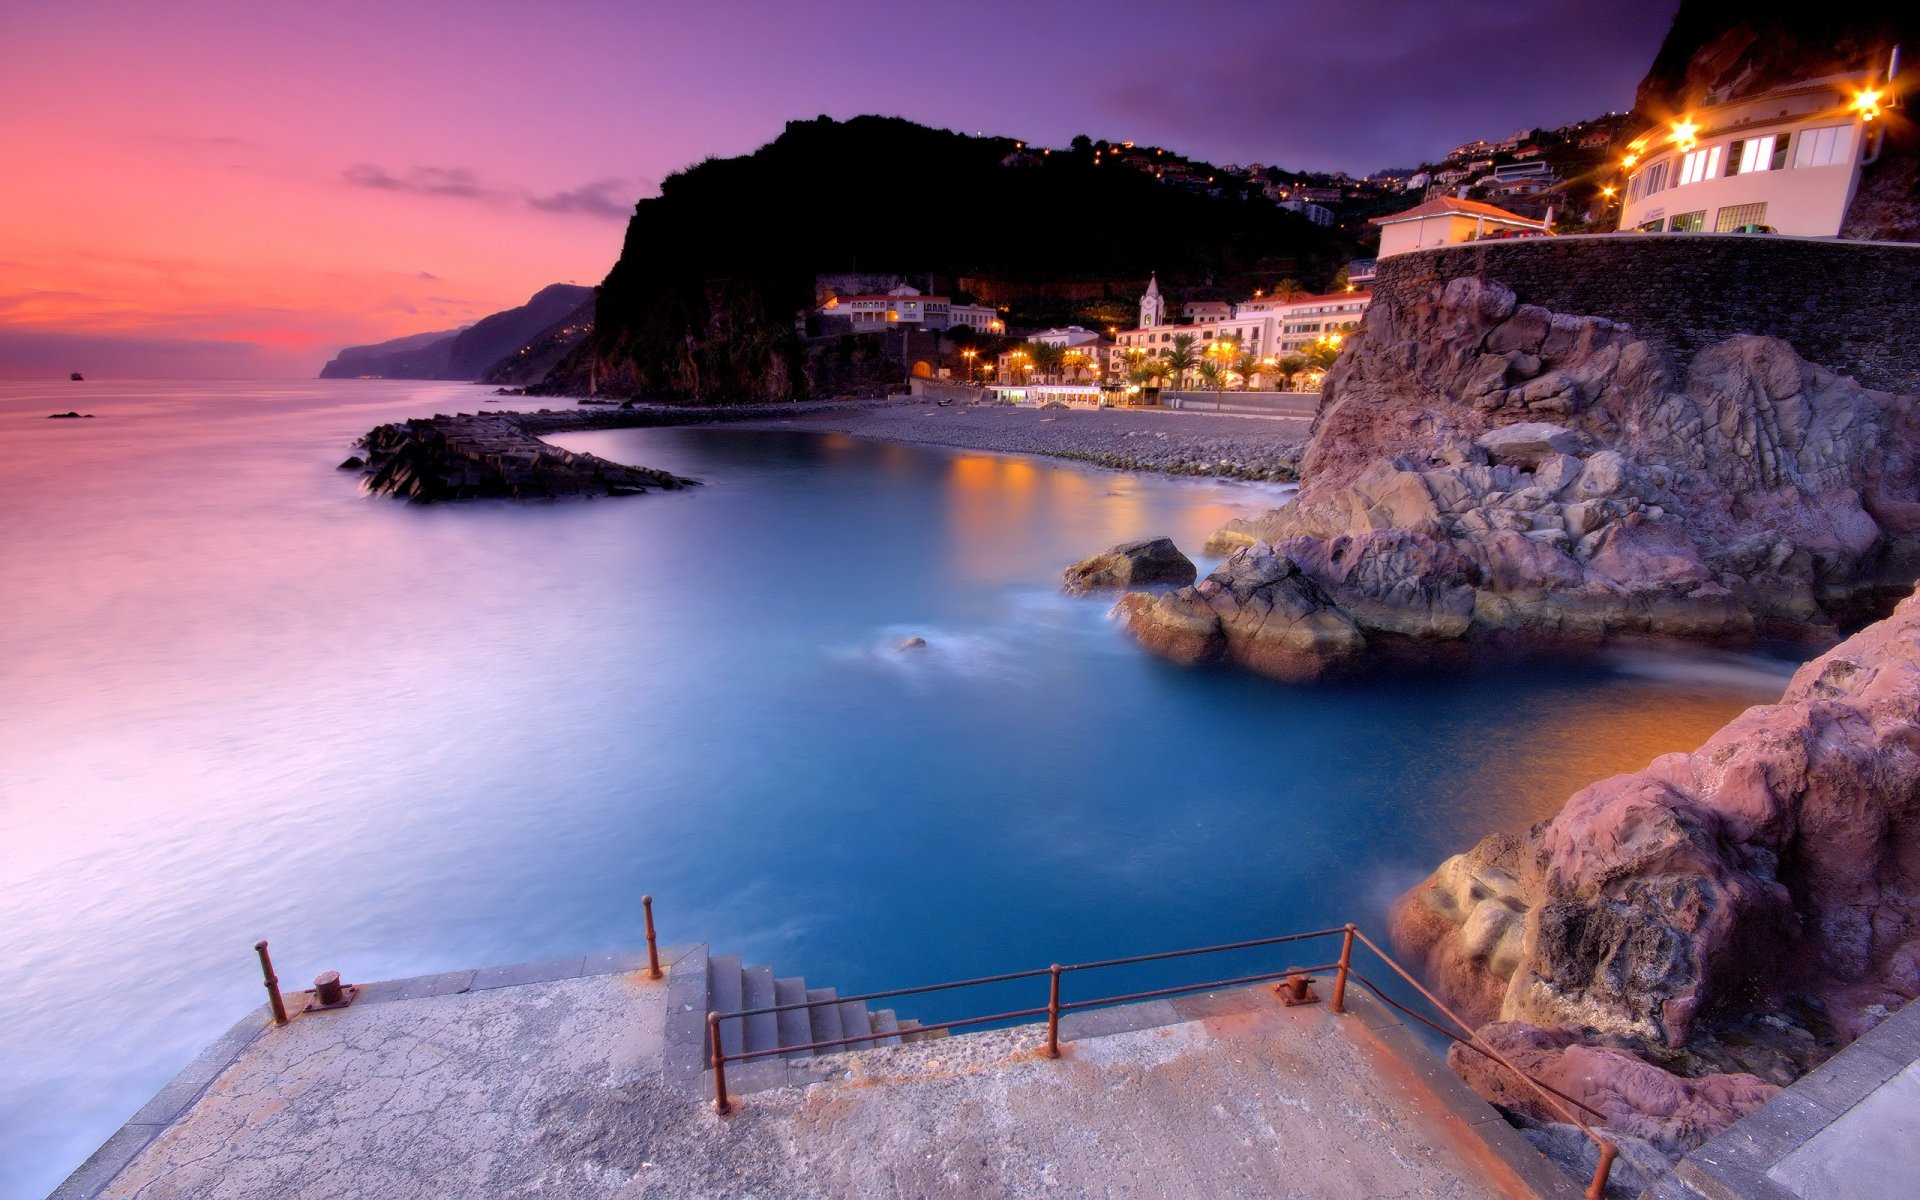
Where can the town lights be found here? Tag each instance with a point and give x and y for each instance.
(1608, 191)
(1867, 104)
(1629, 159)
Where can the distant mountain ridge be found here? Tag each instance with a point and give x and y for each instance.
(467, 353)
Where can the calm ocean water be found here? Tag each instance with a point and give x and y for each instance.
(238, 700)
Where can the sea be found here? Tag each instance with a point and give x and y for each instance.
(239, 699)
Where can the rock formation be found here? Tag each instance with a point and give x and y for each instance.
(1487, 468)
(1131, 564)
(491, 456)
(1770, 880)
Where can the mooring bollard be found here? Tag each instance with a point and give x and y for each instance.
(653, 949)
(721, 1104)
(1340, 980)
(272, 984)
(1053, 1011)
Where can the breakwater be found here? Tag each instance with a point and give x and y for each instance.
(500, 456)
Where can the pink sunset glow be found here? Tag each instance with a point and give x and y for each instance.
(222, 189)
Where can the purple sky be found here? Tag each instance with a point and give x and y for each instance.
(227, 188)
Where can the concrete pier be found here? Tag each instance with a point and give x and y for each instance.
(551, 1079)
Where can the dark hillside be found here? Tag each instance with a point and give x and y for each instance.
(713, 271)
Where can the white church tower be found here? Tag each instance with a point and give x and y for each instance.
(1153, 306)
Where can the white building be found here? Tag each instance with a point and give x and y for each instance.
(1788, 159)
(1446, 220)
(1266, 329)
(905, 305)
(1316, 213)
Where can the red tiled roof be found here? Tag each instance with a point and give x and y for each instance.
(1452, 206)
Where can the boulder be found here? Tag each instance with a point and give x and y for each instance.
(1259, 610)
(1594, 484)
(1774, 870)
(1528, 444)
(1132, 564)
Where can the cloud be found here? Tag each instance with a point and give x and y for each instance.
(456, 182)
(611, 198)
(608, 198)
(429, 276)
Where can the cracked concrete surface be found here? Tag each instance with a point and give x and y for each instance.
(555, 1089)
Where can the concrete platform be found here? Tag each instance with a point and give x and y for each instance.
(552, 1082)
(1850, 1128)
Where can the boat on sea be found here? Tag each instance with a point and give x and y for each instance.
(76, 377)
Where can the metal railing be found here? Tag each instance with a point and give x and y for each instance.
(1297, 989)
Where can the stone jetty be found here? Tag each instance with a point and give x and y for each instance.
(500, 455)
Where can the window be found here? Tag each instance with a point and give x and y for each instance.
(1827, 147)
(1652, 226)
(1733, 216)
(1767, 153)
(1692, 222)
(1700, 164)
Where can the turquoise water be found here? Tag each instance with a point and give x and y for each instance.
(242, 701)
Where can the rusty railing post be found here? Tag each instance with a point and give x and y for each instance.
(1597, 1190)
(653, 948)
(721, 1104)
(1053, 1011)
(272, 984)
(1340, 980)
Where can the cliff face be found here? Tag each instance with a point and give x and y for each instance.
(1731, 50)
(504, 334)
(417, 356)
(463, 354)
(1488, 469)
(713, 271)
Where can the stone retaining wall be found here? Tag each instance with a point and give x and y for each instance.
(1849, 306)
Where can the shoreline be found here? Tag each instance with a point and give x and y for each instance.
(1160, 441)
(503, 454)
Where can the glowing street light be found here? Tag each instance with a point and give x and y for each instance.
(1867, 103)
(1686, 134)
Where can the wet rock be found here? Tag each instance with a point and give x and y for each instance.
(912, 643)
(1259, 610)
(353, 462)
(69, 416)
(492, 456)
(1132, 564)
(1775, 870)
(1595, 486)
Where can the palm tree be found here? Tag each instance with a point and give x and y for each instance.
(1182, 358)
(1321, 354)
(1244, 365)
(1045, 357)
(1289, 367)
(1214, 376)
(1289, 289)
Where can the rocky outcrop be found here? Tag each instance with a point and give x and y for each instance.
(491, 456)
(1572, 481)
(1131, 564)
(1766, 885)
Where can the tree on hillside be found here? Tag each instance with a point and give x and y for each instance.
(1182, 359)
(1289, 289)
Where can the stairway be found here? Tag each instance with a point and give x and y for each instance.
(732, 987)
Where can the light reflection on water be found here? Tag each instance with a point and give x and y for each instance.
(242, 701)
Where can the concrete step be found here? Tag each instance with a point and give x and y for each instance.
(824, 1016)
(724, 996)
(794, 1028)
(911, 1031)
(756, 991)
(887, 1025)
(854, 1020)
